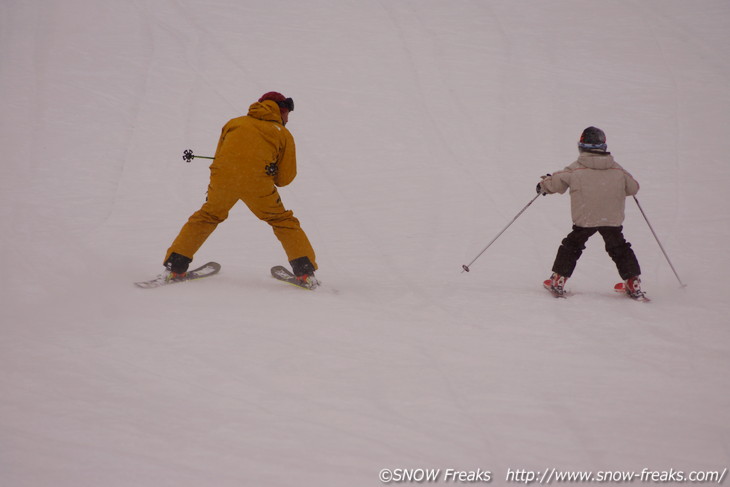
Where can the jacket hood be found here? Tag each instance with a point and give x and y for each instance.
(265, 110)
(596, 160)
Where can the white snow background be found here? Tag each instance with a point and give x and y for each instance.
(422, 127)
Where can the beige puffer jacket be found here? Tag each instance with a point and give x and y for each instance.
(598, 189)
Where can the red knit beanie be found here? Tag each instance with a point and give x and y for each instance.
(281, 100)
(273, 96)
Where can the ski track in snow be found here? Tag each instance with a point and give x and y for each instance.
(421, 130)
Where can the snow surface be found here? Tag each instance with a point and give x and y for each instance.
(422, 127)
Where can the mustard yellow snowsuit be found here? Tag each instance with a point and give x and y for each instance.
(255, 154)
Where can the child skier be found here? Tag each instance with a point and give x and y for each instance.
(598, 190)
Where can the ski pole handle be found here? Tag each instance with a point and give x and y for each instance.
(189, 156)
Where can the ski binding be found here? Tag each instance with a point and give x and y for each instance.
(640, 296)
(285, 275)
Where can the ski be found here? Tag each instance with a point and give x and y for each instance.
(201, 272)
(621, 289)
(283, 274)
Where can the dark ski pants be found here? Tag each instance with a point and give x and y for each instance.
(617, 247)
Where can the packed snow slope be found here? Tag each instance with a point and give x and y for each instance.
(422, 127)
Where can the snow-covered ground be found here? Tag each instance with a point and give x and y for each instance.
(422, 127)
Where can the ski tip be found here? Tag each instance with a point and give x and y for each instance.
(281, 272)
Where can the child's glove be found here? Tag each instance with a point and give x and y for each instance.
(539, 185)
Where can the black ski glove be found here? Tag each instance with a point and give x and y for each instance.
(539, 185)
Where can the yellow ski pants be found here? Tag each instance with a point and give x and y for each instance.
(267, 207)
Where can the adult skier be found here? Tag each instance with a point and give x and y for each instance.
(598, 190)
(255, 155)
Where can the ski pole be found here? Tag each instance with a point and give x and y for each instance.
(660, 244)
(189, 156)
(466, 267)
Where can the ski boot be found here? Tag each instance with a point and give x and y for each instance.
(556, 285)
(632, 287)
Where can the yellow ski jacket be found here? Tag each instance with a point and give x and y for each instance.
(255, 151)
